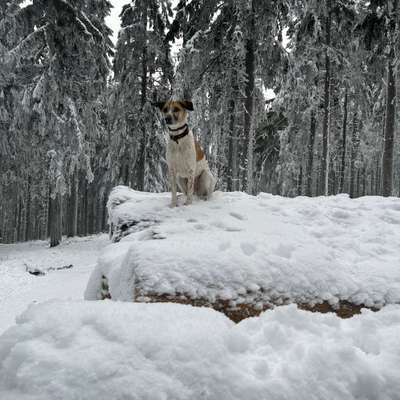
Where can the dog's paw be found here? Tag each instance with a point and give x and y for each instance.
(188, 202)
(173, 204)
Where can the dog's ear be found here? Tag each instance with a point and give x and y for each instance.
(187, 104)
(158, 104)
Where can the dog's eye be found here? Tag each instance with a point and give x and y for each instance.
(175, 110)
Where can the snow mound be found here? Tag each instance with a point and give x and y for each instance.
(258, 250)
(109, 350)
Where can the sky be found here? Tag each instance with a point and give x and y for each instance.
(113, 20)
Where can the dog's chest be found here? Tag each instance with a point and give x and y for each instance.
(181, 157)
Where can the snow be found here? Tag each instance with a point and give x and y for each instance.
(252, 249)
(111, 350)
(18, 288)
(235, 247)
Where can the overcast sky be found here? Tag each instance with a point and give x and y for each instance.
(113, 20)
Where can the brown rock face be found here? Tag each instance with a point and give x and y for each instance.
(343, 309)
(237, 313)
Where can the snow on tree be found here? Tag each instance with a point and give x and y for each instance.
(142, 72)
(76, 117)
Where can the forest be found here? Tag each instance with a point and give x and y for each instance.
(291, 97)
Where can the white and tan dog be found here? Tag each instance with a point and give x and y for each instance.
(187, 164)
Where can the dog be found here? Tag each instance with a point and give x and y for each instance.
(187, 165)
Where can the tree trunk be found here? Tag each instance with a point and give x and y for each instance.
(233, 178)
(249, 93)
(72, 211)
(354, 153)
(142, 155)
(398, 188)
(14, 226)
(327, 100)
(19, 220)
(311, 141)
(378, 178)
(55, 220)
(105, 213)
(83, 206)
(358, 185)
(27, 234)
(85, 220)
(372, 183)
(300, 182)
(232, 149)
(46, 211)
(333, 181)
(250, 157)
(387, 158)
(364, 182)
(344, 139)
(89, 214)
(95, 202)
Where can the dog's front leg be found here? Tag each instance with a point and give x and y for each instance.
(172, 181)
(190, 189)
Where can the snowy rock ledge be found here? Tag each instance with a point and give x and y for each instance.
(107, 350)
(242, 254)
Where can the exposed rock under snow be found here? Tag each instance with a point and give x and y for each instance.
(237, 251)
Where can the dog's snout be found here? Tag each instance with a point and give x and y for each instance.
(168, 119)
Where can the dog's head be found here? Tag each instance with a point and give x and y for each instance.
(175, 112)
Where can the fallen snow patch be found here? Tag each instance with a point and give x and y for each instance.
(109, 350)
(18, 288)
(252, 249)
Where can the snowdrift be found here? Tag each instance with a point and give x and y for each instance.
(107, 350)
(242, 254)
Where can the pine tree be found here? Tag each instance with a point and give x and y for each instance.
(379, 30)
(142, 69)
(225, 46)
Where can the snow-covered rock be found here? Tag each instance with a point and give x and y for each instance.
(106, 350)
(238, 250)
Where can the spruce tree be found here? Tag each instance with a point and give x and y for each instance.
(142, 71)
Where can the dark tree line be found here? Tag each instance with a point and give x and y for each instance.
(73, 123)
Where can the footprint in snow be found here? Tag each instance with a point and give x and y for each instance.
(317, 234)
(200, 227)
(238, 216)
(233, 229)
(248, 248)
(225, 227)
(341, 214)
(284, 250)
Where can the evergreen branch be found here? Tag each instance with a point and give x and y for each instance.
(34, 40)
(91, 25)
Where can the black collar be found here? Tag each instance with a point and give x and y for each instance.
(176, 138)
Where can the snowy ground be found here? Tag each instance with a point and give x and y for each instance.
(253, 250)
(19, 288)
(131, 351)
(324, 248)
